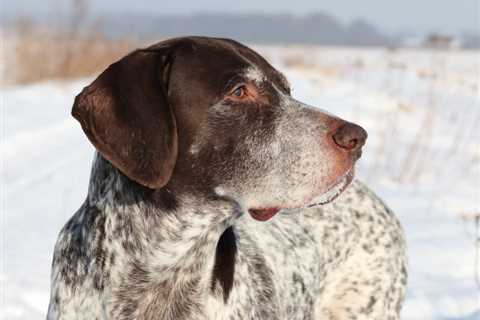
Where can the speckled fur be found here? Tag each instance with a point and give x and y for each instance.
(123, 257)
(344, 260)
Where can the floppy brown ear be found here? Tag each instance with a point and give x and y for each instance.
(126, 116)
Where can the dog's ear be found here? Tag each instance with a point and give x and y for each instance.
(126, 115)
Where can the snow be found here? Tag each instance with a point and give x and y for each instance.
(420, 108)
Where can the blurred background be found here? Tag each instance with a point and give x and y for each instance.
(407, 71)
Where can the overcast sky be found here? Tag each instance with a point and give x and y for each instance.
(450, 16)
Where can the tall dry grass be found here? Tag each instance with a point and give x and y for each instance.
(36, 54)
(76, 49)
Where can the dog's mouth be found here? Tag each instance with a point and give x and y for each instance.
(328, 196)
(335, 190)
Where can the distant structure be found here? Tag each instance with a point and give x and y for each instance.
(439, 41)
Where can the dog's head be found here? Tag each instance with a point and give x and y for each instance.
(212, 116)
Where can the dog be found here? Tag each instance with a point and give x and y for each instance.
(211, 197)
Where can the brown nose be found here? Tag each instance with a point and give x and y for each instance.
(350, 136)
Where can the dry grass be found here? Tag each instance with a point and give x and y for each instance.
(35, 54)
(75, 49)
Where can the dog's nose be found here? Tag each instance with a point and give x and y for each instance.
(350, 136)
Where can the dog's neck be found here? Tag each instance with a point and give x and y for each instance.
(166, 243)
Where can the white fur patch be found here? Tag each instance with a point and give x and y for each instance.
(194, 149)
(255, 75)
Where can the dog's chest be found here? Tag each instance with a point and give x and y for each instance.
(275, 275)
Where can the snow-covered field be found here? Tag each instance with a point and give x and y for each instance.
(421, 110)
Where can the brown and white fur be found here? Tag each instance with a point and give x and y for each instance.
(211, 198)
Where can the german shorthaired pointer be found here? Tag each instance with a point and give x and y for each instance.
(199, 142)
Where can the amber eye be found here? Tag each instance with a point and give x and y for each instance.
(239, 92)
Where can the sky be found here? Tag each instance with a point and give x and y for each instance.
(390, 16)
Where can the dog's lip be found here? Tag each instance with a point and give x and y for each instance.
(335, 190)
(263, 214)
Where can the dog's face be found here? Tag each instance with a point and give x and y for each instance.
(212, 114)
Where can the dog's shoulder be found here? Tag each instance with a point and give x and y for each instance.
(374, 254)
(75, 267)
(365, 207)
(374, 237)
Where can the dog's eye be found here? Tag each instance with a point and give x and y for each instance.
(239, 92)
